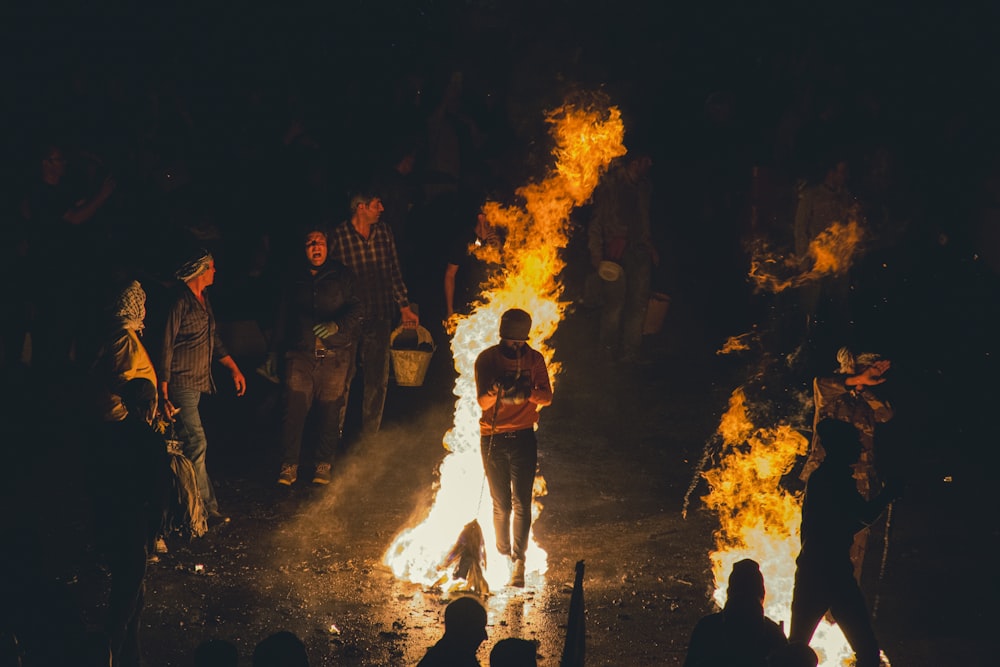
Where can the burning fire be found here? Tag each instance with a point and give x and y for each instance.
(830, 253)
(758, 519)
(586, 140)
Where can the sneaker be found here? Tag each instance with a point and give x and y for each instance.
(289, 473)
(322, 474)
(216, 519)
(517, 576)
(160, 546)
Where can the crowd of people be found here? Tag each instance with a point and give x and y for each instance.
(328, 236)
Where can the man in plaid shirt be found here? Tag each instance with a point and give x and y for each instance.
(368, 248)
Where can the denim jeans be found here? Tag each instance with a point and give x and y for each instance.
(320, 384)
(510, 460)
(191, 432)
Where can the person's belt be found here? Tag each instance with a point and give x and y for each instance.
(320, 352)
(512, 434)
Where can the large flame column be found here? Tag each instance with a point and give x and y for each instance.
(586, 138)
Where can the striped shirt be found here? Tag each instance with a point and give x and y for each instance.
(190, 343)
(379, 278)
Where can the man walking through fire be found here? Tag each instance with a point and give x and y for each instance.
(847, 395)
(315, 340)
(832, 512)
(512, 383)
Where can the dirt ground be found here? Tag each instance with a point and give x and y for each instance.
(618, 449)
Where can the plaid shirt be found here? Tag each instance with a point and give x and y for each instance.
(376, 267)
(190, 343)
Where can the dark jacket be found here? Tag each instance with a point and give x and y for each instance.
(307, 300)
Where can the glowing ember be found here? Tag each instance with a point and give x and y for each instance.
(758, 519)
(830, 253)
(586, 139)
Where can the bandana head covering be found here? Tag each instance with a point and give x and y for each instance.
(130, 306)
(851, 363)
(194, 267)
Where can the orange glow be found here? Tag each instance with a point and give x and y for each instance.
(831, 253)
(758, 519)
(586, 140)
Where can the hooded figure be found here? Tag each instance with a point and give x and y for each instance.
(740, 634)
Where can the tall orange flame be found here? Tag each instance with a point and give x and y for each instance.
(586, 138)
(759, 519)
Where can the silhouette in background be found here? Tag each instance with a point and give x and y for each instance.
(514, 652)
(832, 513)
(740, 634)
(216, 653)
(282, 649)
(464, 631)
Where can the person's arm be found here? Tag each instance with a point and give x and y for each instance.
(450, 272)
(407, 316)
(238, 380)
(170, 329)
(541, 386)
(85, 211)
(486, 382)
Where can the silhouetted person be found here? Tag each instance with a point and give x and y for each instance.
(282, 649)
(132, 487)
(850, 396)
(794, 654)
(216, 653)
(740, 634)
(464, 631)
(621, 232)
(514, 652)
(832, 512)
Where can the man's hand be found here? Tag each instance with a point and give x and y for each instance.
(873, 375)
(325, 329)
(409, 318)
(239, 381)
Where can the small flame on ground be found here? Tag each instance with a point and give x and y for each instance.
(587, 138)
(830, 253)
(758, 519)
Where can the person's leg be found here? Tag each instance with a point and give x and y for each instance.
(638, 277)
(523, 466)
(333, 376)
(611, 313)
(298, 396)
(809, 603)
(496, 460)
(851, 613)
(375, 359)
(191, 432)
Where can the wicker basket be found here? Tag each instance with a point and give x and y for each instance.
(410, 366)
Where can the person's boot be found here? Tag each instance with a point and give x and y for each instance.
(289, 473)
(322, 474)
(517, 575)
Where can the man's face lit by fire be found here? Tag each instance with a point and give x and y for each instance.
(370, 212)
(316, 249)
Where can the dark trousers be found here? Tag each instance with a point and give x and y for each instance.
(314, 383)
(127, 563)
(625, 304)
(510, 461)
(373, 364)
(819, 588)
